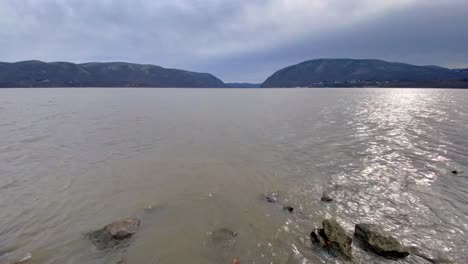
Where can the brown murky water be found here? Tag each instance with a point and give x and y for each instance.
(73, 160)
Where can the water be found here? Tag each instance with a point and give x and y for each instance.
(73, 160)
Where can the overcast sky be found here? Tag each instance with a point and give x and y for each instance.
(233, 39)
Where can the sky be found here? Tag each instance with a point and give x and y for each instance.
(238, 41)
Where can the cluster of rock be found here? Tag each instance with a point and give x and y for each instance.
(369, 237)
(119, 233)
(274, 198)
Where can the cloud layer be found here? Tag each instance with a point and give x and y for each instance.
(235, 40)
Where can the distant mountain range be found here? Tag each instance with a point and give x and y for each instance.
(313, 73)
(112, 74)
(361, 73)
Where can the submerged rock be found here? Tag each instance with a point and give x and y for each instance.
(223, 238)
(124, 228)
(112, 234)
(271, 197)
(288, 208)
(337, 237)
(379, 242)
(326, 198)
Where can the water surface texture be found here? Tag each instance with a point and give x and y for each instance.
(191, 161)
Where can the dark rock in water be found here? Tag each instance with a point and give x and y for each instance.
(112, 234)
(124, 228)
(338, 238)
(289, 208)
(455, 172)
(326, 198)
(223, 238)
(322, 234)
(379, 242)
(314, 237)
(271, 197)
(102, 239)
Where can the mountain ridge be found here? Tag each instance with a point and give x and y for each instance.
(346, 72)
(34, 73)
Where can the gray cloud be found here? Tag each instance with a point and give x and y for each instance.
(237, 41)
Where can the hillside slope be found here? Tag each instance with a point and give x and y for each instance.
(352, 72)
(112, 74)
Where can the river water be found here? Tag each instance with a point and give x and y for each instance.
(190, 161)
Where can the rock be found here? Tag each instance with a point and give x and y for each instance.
(124, 228)
(326, 198)
(336, 235)
(289, 208)
(223, 234)
(318, 237)
(112, 234)
(379, 242)
(102, 239)
(314, 237)
(223, 238)
(271, 197)
(455, 172)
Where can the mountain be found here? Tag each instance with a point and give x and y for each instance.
(359, 73)
(111, 74)
(244, 85)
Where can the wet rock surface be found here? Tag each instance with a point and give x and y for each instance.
(335, 235)
(380, 242)
(124, 228)
(326, 198)
(319, 238)
(114, 233)
(289, 209)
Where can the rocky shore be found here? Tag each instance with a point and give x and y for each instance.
(331, 238)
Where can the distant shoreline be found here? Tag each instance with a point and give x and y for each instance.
(319, 73)
(234, 88)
